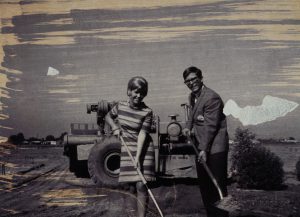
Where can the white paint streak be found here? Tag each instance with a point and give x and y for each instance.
(52, 71)
(3, 139)
(61, 91)
(68, 77)
(4, 127)
(270, 109)
(73, 101)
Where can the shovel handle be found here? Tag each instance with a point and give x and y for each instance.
(213, 179)
(211, 176)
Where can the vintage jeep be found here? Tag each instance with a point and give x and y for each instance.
(94, 152)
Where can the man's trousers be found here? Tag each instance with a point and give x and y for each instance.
(217, 163)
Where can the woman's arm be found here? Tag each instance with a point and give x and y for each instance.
(140, 144)
(115, 128)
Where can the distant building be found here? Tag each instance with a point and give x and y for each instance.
(52, 142)
(289, 140)
(36, 142)
(25, 142)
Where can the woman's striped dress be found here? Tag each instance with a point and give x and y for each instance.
(131, 121)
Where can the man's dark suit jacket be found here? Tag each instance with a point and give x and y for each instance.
(208, 121)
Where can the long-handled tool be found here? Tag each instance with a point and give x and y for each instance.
(225, 203)
(141, 176)
(211, 176)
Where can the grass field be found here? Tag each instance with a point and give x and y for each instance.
(289, 154)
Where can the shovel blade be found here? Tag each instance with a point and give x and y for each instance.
(228, 204)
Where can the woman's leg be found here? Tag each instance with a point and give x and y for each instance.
(142, 199)
(129, 204)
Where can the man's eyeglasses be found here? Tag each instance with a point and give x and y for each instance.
(190, 81)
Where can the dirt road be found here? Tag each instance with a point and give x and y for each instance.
(59, 193)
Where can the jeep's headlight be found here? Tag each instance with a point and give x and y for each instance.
(174, 129)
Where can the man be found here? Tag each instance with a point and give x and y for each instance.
(208, 124)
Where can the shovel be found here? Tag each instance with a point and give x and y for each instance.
(225, 203)
(141, 176)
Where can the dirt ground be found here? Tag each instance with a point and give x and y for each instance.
(281, 203)
(51, 190)
(37, 183)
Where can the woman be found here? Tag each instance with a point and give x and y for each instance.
(132, 120)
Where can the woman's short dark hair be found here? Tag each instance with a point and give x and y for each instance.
(192, 69)
(138, 82)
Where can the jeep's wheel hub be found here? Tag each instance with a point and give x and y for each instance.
(112, 164)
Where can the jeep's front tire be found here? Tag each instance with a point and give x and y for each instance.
(104, 162)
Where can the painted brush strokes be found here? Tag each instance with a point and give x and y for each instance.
(246, 50)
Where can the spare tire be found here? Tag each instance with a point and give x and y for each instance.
(104, 162)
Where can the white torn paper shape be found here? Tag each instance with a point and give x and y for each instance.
(52, 71)
(270, 109)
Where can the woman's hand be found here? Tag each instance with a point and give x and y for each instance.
(202, 157)
(117, 132)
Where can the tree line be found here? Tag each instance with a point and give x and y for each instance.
(19, 138)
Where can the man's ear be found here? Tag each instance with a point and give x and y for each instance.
(128, 92)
